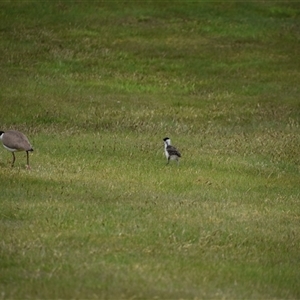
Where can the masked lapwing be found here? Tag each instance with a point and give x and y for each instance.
(170, 151)
(15, 141)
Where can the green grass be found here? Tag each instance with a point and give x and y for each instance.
(96, 86)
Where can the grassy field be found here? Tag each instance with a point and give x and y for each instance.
(96, 86)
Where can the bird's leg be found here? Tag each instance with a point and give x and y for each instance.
(27, 166)
(13, 160)
(168, 160)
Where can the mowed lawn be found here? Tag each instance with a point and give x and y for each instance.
(96, 86)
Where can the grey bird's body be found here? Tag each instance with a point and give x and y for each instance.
(170, 151)
(15, 141)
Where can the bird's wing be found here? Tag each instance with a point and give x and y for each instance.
(16, 140)
(173, 151)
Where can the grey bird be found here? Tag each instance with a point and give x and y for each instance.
(15, 141)
(170, 151)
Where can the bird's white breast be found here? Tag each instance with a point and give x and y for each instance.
(10, 149)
